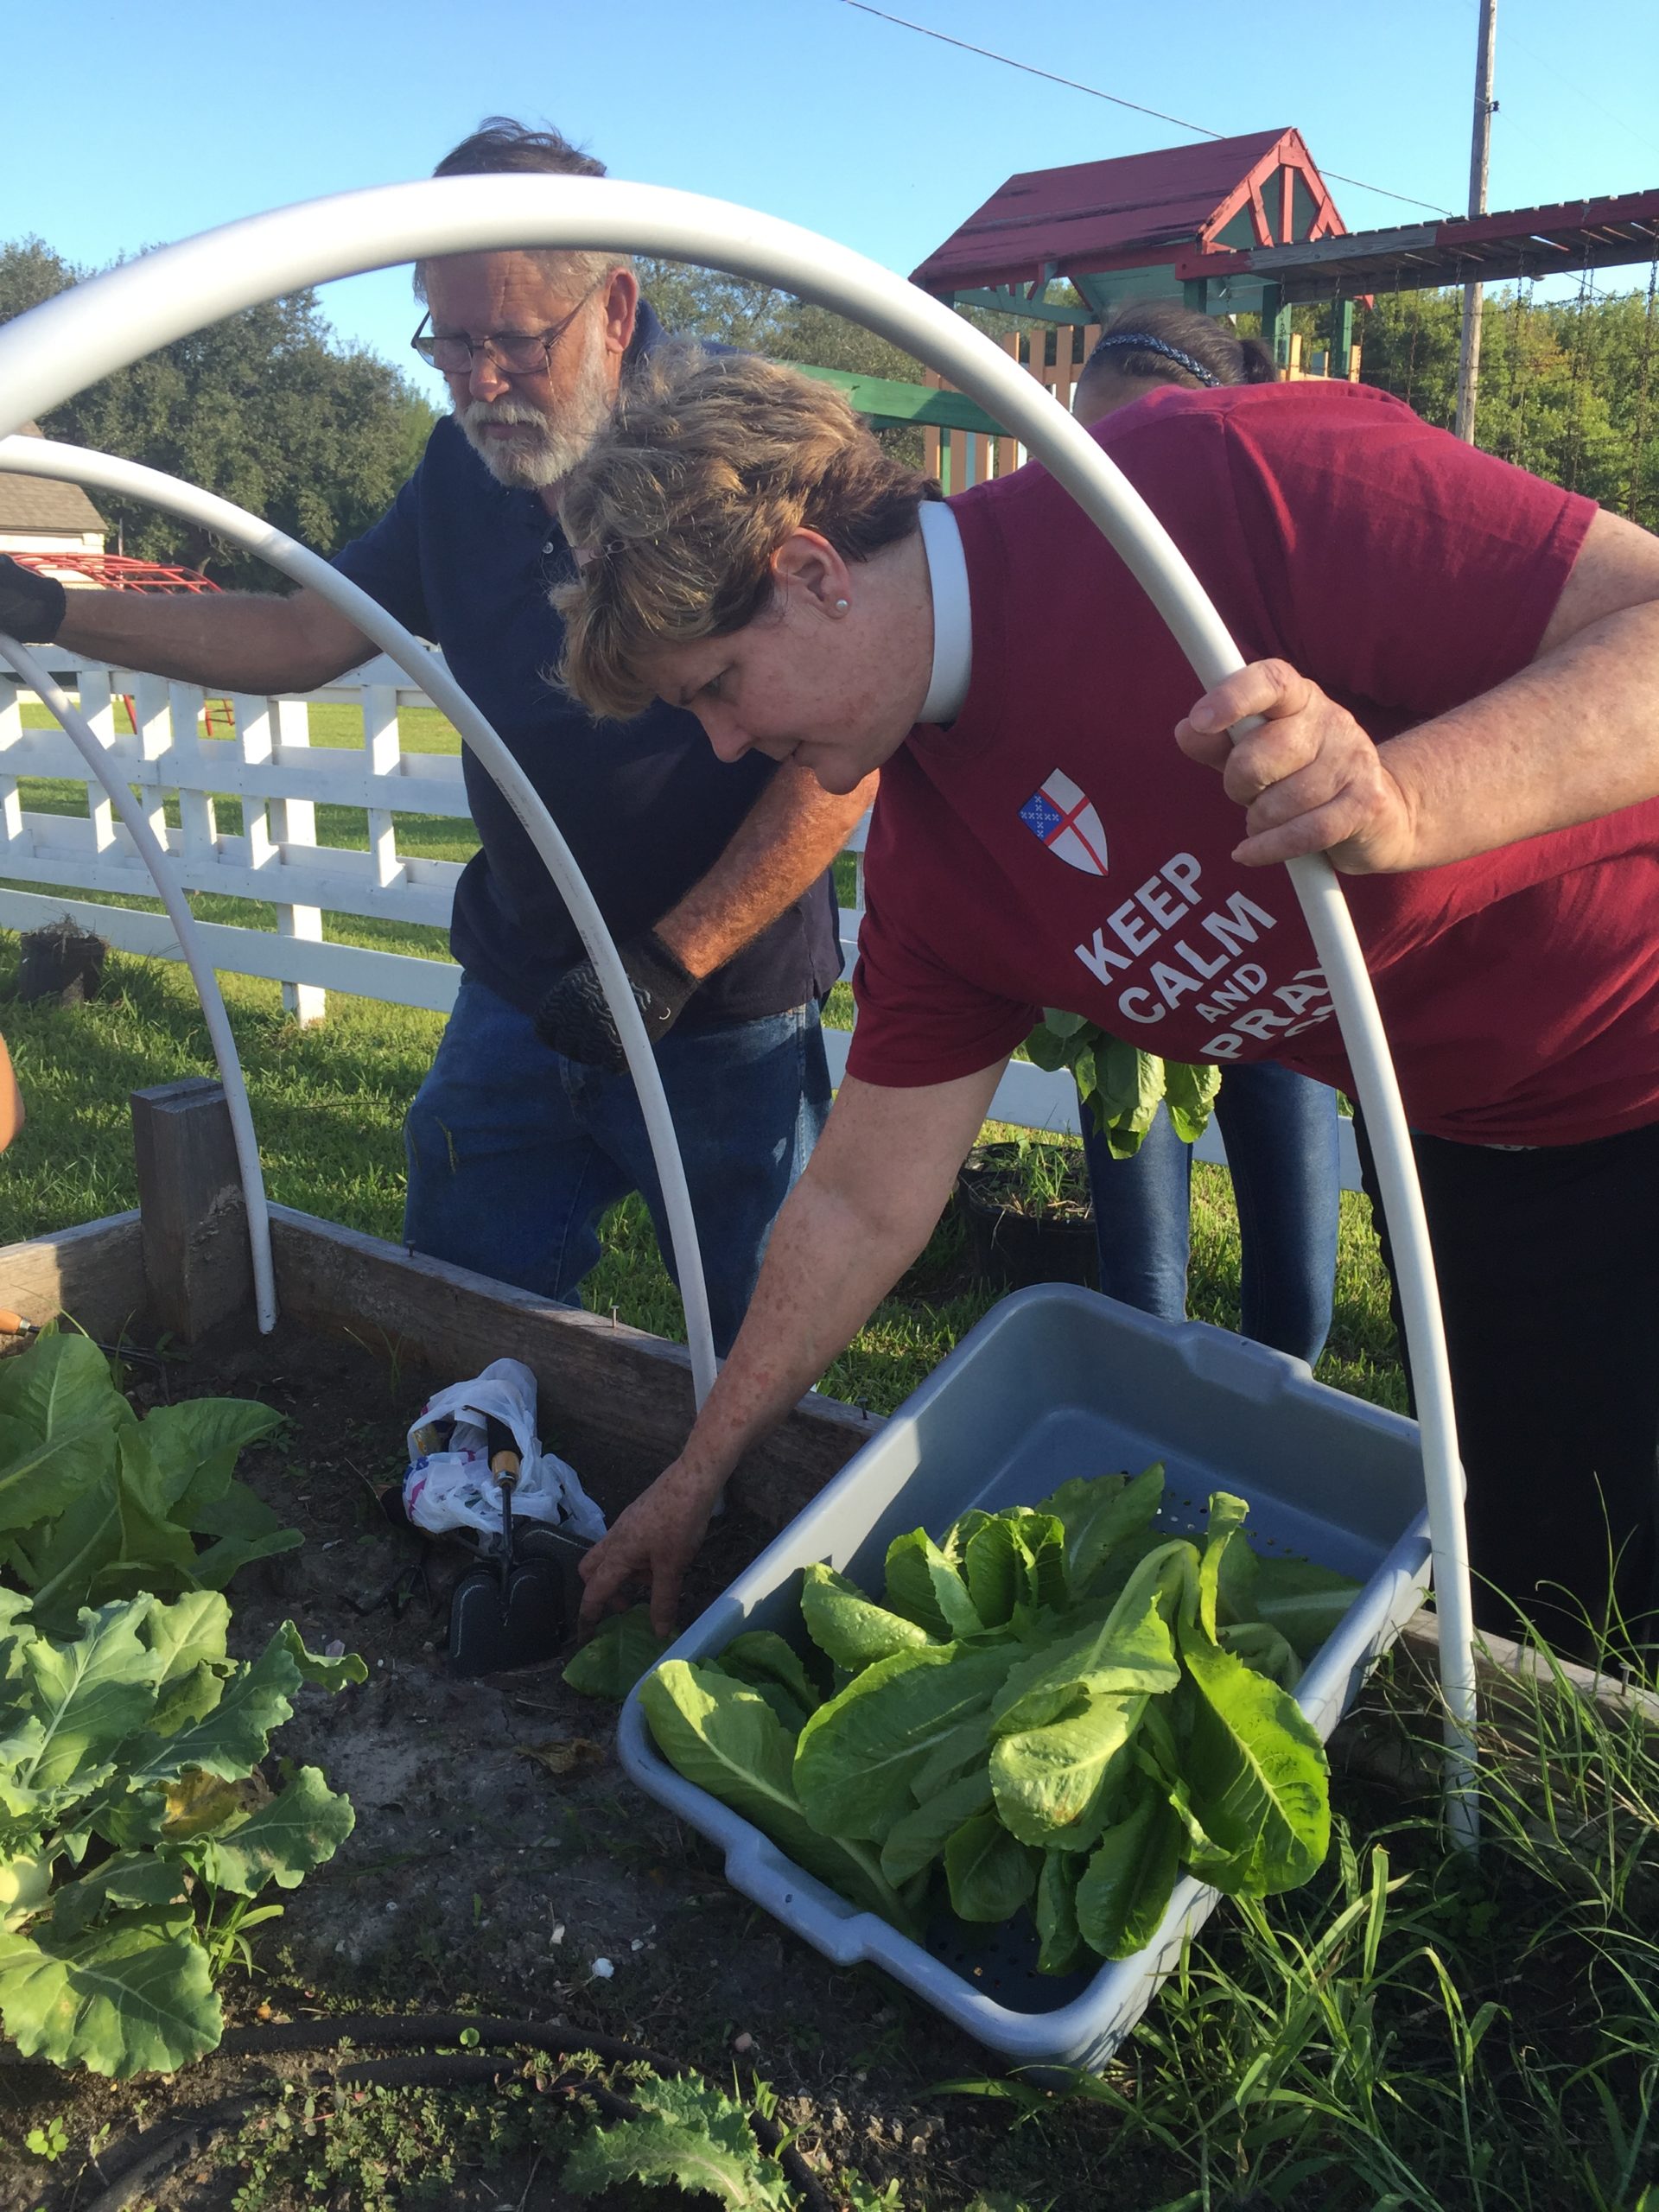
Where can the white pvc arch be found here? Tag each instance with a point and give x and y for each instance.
(114, 319)
(42, 457)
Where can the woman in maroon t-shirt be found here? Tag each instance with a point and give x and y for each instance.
(752, 554)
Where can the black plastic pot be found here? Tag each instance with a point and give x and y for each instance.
(63, 962)
(1010, 1248)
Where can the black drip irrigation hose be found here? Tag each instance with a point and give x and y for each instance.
(162, 2149)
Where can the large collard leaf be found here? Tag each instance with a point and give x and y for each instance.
(1098, 1513)
(728, 1740)
(195, 1446)
(319, 1671)
(70, 1708)
(61, 1382)
(690, 2133)
(41, 1476)
(990, 1876)
(859, 1754)
(918, 1837)
(1256, 1774)
(280, 1840)
(245, 1528)
(622, 1649)
(1061, 1948)
(1124, 1890)
(1054, 1786)
(850, 1627)
(153, 1552)
(130, 1881)
(129, 1995)
(188, 1638)
(924, 1584)
(234, 1736)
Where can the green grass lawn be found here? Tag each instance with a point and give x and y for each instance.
(328, 1102)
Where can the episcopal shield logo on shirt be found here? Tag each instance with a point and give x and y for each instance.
(1066, 823)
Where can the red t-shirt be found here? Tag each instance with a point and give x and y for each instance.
(1053, 847)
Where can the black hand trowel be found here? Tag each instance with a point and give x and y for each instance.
(516, 1611)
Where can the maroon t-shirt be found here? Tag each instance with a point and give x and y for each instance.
(1054, 847)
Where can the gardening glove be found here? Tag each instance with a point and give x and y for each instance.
(575, 1018)
(31, 606)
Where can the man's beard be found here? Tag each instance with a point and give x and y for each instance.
(547, 449)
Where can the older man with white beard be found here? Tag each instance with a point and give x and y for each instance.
(714, 879)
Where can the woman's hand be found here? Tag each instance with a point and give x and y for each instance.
(653, 1542)
(1307, 775)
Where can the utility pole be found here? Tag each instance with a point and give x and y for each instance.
(1479, 154)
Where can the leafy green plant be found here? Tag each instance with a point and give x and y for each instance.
(1056, 1709)
(129, 1784)
(49, 2142)
(623, 1648)
(96, 1505)
(1121, 1086)
(688, 2132)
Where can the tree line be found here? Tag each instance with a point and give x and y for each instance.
(267, 408)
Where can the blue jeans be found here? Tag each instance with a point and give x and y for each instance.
(1280, 1132)
(515, 1152)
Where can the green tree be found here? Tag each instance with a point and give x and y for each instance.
(266, 408)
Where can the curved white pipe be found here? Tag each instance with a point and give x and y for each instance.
(42, 457)
(113, 319)
(84, 737)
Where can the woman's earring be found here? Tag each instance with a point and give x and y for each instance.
(841, 605)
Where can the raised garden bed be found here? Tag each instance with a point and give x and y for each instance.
(498, 1852)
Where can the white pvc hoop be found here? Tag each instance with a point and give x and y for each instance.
(112, 320)
(84, 737)
(42, 457)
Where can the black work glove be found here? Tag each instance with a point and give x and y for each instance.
(31, 606)
(575, 1018)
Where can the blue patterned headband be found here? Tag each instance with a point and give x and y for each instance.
(1142, 341)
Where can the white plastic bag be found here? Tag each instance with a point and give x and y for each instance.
(454, 1488)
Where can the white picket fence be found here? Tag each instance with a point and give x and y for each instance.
(159, 732)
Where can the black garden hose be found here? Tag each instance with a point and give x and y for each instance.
(162, 2149)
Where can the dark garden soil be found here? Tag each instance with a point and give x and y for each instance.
(499, 1859)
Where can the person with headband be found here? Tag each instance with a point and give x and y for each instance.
(1280, 1129)
(1456, 667)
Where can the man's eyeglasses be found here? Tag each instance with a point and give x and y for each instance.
(515, 353)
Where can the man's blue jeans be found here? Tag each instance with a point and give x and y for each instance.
(1281, 1132)
(515, 1152)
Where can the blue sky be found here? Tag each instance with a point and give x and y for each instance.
(131, 125)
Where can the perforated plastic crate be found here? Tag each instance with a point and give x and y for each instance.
(1057, 1382)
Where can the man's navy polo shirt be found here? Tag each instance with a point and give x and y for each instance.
(644, 805)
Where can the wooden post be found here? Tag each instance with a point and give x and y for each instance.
(195, 1227)
(1479, 156)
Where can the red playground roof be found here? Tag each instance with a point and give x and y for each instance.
(1095, 216)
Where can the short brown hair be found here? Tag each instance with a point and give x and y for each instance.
(500, 147)
(710, 463)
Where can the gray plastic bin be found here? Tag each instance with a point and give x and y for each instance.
(1056, 1382)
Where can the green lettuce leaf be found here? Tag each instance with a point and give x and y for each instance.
(1256, 1773)
(729, 1742)
(990, 1876)
(1126, 1885)
(61, 1382)
(625, 1647)
(851, 1628)
(859, 1753)
(1053, 1784)
(195, 1446)
(923, 1583)
(918, 1838)
(280, 1840)
(1061, 1948)
(1099, 1512)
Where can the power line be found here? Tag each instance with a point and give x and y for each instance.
(1094, 92)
